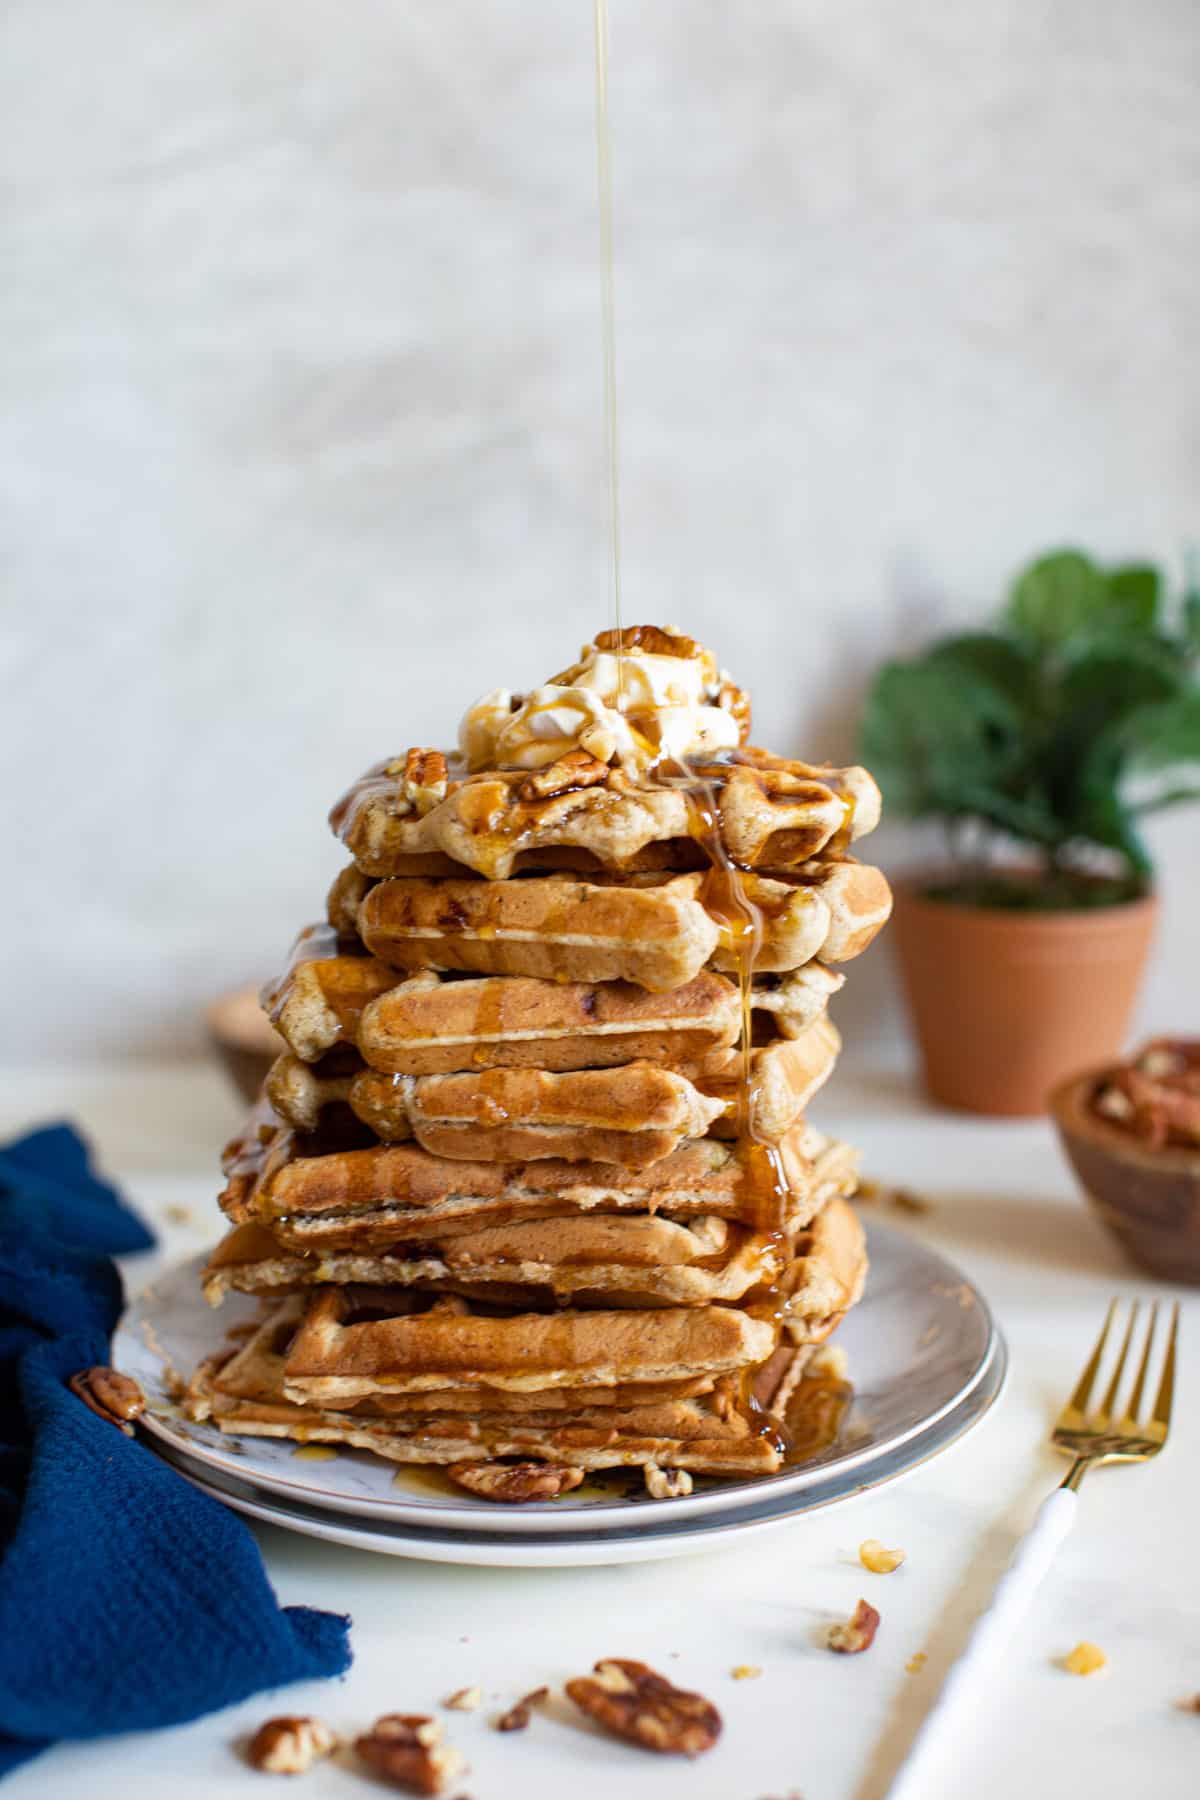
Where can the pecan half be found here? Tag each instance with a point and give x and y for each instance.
(858, 1633)
(634, 1703)
(511, 1483)
(111, 1396)
(290, 1745)
(407, 1748)
(517, 1717)
(423, 782)
(653, 639)
(575, 769)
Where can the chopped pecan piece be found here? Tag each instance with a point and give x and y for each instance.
(736, 702)
(878, 1558)
(517, 1717)
(111, 1395)
(1085, 1659)
(575, 769)
(464, 1699)
(407, 1748)
(634, 1703)
(513, 1482)
(858, 1633)
(423, 782)
(290, 1745)
(666, 1484)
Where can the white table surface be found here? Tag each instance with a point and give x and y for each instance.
(816, 1725)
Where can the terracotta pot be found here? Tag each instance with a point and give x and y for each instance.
(1006, 1003)
(1149, 1199)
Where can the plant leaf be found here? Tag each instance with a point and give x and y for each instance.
(1163, 736)
(1108, 680)
(931, 729)
(1134, 593)
(1007, 664)
(1056, 596)
(1191, 619)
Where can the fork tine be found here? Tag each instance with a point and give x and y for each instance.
(1161, 1414)
(1108, 1404)
(1133, 1410)
(1083, 1391)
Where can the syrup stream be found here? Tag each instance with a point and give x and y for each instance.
(609, 334)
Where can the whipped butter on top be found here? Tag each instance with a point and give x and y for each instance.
(645, 707)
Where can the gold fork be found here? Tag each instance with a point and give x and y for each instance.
(1089, 1438)
(1108, 1436)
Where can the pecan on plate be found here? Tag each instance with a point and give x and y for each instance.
(407, 1748)
(634, 1703)
(666, 1484)
(110, 1395)
(858, 1633)
(575, 769)
(511, 1483)
(290, 1745)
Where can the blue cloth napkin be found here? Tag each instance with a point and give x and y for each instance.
(128, 1599)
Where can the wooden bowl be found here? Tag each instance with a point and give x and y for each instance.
(1149, 1199)
(244, 1039)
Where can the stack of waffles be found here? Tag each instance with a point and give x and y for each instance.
(532, 1190)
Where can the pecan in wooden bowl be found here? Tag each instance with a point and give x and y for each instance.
(1131, 1132)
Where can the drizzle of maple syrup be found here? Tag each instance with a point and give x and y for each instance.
(814, 1415)
(608, 314)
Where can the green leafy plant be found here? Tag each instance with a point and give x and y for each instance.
(1060, 729)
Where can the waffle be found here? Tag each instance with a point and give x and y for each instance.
(616, 1259)
(319, 1197)
(784, 1076)
(653, 930)
(353, 1343)
(534, 1176)
(772, 814)
(553, 926)
(633, 1114)
(710, 1431)
(430, 1024)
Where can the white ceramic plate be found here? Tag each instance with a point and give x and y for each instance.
(679, 1535)
(918, 1343)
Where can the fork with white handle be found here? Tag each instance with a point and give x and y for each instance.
(1089, 1438)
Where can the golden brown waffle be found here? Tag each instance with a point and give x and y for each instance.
(553, 926)
(826, 1275)
(711, 1432)
(654, 930)
(634, 1114)
(356, 1342)
(319, 1197)
(251, 1368)
(592, 1260)
(428, 1025)
(772, 813)
(784, 1076)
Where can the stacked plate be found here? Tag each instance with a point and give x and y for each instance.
(925, 1359)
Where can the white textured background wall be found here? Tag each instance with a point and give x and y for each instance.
(301, 415)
